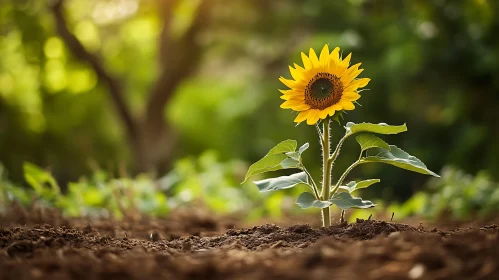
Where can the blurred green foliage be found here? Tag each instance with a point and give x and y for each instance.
(433, 64)
(96, 196)
(456, 195)
(194, 182)
(214, 185)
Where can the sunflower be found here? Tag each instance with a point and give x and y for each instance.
(323, 86)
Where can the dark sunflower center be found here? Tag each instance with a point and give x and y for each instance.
(323, 90)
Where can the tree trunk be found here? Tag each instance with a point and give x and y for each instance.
(154, 145)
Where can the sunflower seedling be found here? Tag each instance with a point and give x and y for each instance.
(321, 91)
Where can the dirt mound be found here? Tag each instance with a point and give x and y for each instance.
(299, 236)
(361, 250)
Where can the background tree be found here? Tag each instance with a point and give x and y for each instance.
(148, 135)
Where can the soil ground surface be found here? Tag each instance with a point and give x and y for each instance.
(193, 246)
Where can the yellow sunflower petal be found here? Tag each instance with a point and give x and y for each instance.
(346, 79)
(291, 93)
(301, 107)
(294, 96)
(351, 69)
(335, 56)
(288, 91)
(324, 57)
(313, 117)
(332, 109)
(347, 105)
(307, 64)
(359, 83)
(299, 68)
(296, 99)
(350, 96)
(291, 83)
(292, 103)
(289, 97)
(323, 114)
(301, 116)
(295, 74)
(297, 105)
(313, 57)
(345, 62)
(337, 107)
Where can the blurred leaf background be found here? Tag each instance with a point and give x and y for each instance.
(187, 90)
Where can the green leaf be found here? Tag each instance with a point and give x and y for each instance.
(284, 147)
(275, 159)
(337, 116)
(368, 141)
(353, 186)
(303, 148)
(297, 155)
(307, 200)
(366, 183)
(346, 201)
(38, 178)
(398, 157)
(381, 128)
(283, 182)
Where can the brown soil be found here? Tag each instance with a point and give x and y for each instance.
(187, 246)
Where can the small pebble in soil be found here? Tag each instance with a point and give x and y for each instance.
(394, 234)
(416, 271)
(154, 236)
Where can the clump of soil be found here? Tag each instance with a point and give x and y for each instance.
(177, 248)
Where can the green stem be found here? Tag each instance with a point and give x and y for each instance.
(319, 132)
(344, 175)
(326, 177)
(314, 186)
(338, 148)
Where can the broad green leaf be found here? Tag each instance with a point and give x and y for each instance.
(350, 187)
(381, 128)
(275, 159)
(284, 147)
(346, 201)
(397, 157)
(366, 183)
(368, 141)
(297, 155)
(283, 182)
(271, 163)
(353, 186)
(307, 200)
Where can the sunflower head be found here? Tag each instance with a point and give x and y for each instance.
(323, 86)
